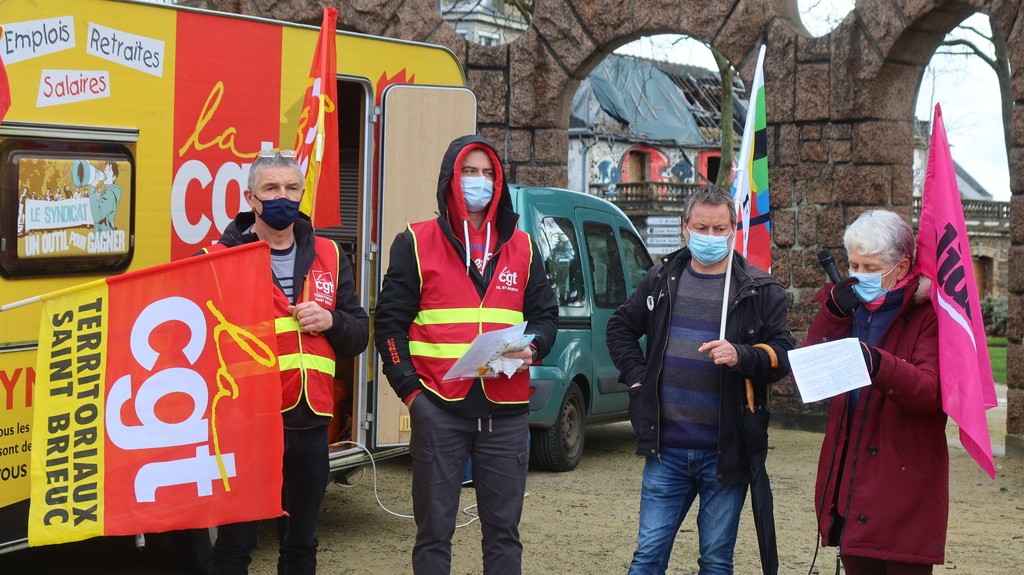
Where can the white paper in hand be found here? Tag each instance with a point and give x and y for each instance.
(486, 348)
(827, 369)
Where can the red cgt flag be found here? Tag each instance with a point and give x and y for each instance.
(158, 401)
(316, 140)
(944, 255)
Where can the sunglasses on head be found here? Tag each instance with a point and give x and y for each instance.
(292, 154)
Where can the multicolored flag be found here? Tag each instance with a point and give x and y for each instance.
(750, 178)
(316, 140)
(944, 255)
(157, 401)
(5, 85)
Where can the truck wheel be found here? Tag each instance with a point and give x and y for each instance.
(195, 547)
(560, 447)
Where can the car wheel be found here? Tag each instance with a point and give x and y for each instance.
(560, 447)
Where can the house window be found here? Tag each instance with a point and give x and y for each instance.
(983, 275)
(638, 162)
(708, 164)
(488, 38)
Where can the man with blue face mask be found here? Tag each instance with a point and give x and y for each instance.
(318, 319)
(450, 278)
(687, 388)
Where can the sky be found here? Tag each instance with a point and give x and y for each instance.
(966, 88)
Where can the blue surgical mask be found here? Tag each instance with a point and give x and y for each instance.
(279, 213)
(869, 287)
(477, 191)
(708, 250)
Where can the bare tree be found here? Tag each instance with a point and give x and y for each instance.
(727, 73)
(525, 8)
(972, 44)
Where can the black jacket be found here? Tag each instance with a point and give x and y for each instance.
(349, 334)
(756, 314)
(399, 299)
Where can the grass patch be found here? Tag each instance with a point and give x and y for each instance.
(997, 356)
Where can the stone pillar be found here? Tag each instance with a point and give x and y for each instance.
(1015, 323)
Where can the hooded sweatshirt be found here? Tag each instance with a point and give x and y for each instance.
(398, 302)
(482, 240)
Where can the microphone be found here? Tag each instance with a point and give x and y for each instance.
(829, 263)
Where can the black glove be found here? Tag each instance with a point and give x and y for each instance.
(841, 299)
(872, 358)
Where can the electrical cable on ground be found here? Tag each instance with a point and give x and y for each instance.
(373, 464)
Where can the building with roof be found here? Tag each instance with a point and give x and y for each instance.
(643, 132)
(486, 22)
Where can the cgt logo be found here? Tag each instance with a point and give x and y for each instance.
(323, 287)
(508, 277)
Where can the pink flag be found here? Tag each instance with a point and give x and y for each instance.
(944, 255)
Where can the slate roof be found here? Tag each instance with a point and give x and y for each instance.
(648, 100)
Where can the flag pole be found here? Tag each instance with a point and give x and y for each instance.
(51, 295)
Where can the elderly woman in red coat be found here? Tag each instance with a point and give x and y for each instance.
(882, 491)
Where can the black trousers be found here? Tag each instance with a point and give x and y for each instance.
(441, 443)
(305, 479)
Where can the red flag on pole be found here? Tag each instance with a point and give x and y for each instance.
(161, 389)
(944, 255)
(5, 86)
(316, 140)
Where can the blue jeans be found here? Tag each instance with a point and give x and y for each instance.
(671, 483)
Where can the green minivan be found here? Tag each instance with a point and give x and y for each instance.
(594, 258)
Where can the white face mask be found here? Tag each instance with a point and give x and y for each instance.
(477, 192)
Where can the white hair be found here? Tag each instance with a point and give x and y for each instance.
(881, 233)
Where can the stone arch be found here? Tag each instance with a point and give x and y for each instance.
(831, 157)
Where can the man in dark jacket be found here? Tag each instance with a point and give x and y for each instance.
(317, 319)
(687, 391)
(467, 272)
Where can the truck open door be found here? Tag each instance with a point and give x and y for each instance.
(418, 123)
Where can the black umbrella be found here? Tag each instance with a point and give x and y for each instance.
(755, 438)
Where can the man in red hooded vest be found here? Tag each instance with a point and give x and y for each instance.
(469, 271)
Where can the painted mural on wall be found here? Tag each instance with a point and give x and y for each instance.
(609, 164)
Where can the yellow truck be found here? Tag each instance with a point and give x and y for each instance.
(128, 143)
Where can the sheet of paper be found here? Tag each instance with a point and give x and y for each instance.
(828, 369)
(485, 348)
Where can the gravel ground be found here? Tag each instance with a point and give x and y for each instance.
(585, 521)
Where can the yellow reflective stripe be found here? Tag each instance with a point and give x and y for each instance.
(307, 361)
(438, 350)
(416, 248)
(285, 324)
(468, 315)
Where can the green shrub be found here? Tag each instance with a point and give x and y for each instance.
(993, 313)
(997, 357)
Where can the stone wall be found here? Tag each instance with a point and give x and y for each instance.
(840, 110)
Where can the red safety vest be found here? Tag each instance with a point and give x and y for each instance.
(452, 313)
(306, 361)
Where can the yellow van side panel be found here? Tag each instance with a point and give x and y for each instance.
(146, 103)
